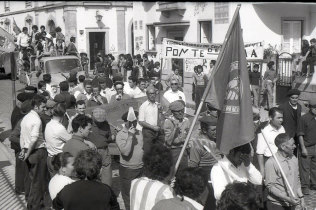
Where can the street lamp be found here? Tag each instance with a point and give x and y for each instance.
(98, 16)
(81, 32)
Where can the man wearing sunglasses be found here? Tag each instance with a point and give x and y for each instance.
(174, 94)
(119, 86)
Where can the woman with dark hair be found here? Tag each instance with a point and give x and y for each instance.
(189, 186)
(238, 196)
(63, 166)
(88, 192)
(157, 168)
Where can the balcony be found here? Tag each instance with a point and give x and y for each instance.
(166, 7)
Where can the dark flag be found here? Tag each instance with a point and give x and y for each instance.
(230, 92)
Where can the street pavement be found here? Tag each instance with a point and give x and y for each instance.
(9, 200)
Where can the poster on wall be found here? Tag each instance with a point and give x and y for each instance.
(179, 49)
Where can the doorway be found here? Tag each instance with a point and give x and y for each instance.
(176, 62)
(96, 45)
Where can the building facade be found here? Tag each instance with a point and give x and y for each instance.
(281, 25)
(99, 26)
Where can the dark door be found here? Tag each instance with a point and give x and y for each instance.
(97, 44)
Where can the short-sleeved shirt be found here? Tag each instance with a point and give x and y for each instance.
(270, 134)
(55, 135)
(75, 145)
(307, 129)
(172, 96)
(148, 112)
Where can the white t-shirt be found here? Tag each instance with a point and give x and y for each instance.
(57, 183)
(270, 133)
(174, 96)
(56, 136)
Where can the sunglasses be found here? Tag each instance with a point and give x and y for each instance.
(174, 83)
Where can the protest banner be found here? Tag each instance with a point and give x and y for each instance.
(187, 50)
(6, 41)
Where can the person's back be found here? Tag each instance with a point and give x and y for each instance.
(175, 204)
(85, 194)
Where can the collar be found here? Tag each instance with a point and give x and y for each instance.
(193, 202)
(294, 107)
(271, 128)
(282, 158)
(149, 102)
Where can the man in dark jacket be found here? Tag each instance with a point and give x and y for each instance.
(292, 111)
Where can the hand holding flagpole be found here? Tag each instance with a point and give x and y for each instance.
(278, 163)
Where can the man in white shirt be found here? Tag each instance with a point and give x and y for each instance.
(55, 135)
(23, 42)
(273, 129)
(142, 87)
(34, 152)
(148, 119)
(174, 94)
(106, 91)
(131, 88)
(87, 93)
(23, 38)
(236, 166)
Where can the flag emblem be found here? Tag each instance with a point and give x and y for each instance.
(234, 90)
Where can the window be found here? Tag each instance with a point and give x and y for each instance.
(135, 25)
(140, 25)
(7, 6)
(221, 12)
(205, 31)
(28, 4)
(151, 45)
(291, 32)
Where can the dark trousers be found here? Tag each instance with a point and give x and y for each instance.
(272, 206)
(126, 177)
(50, 167)
(307, 167)
(151, 137)
(22, 179)
(175, 152)
(208, 197)
(38, 173)
(199, 90)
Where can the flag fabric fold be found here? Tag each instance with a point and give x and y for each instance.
(230, 93)
(6, 41)
(16, 29)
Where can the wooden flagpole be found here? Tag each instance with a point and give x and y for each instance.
(278, 163)
(207, 89)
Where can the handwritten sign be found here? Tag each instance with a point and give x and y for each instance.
(179, 49)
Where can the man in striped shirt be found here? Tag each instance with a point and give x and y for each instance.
(147, 191)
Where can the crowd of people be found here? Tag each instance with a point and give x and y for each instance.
(63, 161)
(39, 43)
